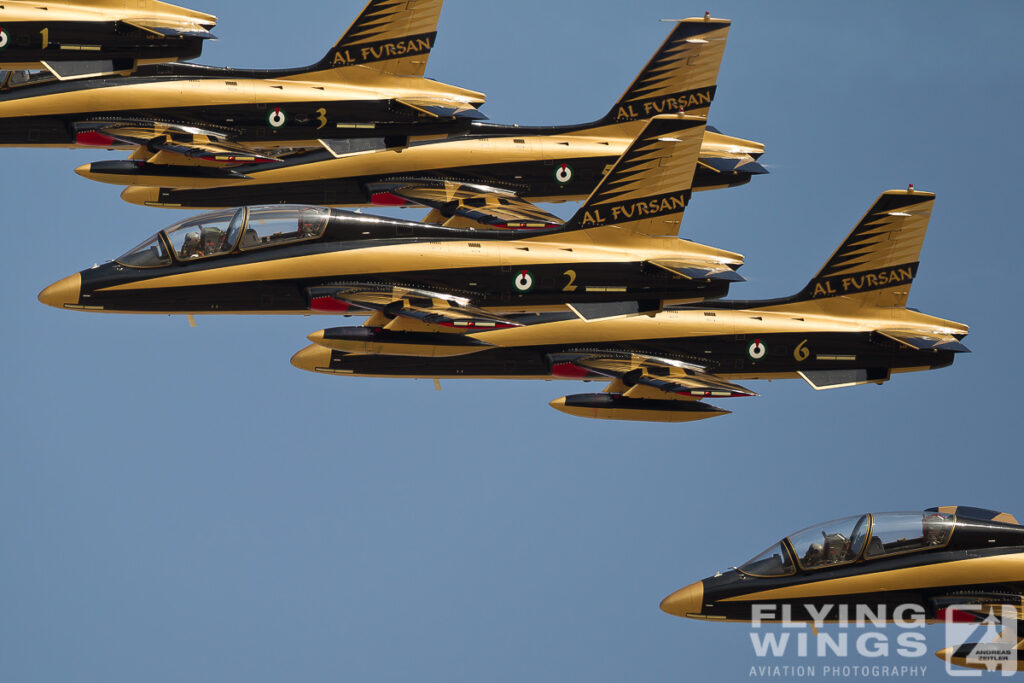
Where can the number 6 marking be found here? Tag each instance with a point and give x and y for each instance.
(572, 278)
(800, 353)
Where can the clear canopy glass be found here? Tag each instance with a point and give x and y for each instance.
(206, 235)
(271, 225)
(831, 543)
(902, 532)
(772, 562)
(149, 254)
(846, 540)
(221, 232)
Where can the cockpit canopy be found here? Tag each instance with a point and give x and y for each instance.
(223, 232)
(850, 539)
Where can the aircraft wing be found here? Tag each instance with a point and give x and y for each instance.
(441, 109)
(170, 27)
(491, 207)
(191, 143)
(431, 308)
(672, 378)
(923, 341)
(643, 388)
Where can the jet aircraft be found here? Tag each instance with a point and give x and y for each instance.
(619, 252)
(848, 326)
(370, 83)
(77, 38)
(939, 560)
(541, 163)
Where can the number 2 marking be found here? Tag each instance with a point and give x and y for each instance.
(321, 117)
(570, 287)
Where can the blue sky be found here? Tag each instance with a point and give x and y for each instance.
(180, 503)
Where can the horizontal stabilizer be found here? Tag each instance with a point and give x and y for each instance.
(345, 146)
(490, 206)
(66, 71)
(744, 164)
(617, 407)
(698, 270)
(442, 109)
(612, 309)
(925, 341)
(170, 29)
(834, 379)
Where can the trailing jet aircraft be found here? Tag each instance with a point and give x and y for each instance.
(953, 563)
(619, 250)
(77, 38)
(370, 83)
(848, 326)
(541, 163)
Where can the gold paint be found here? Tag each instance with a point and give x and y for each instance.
(685, 601)
(64, 292)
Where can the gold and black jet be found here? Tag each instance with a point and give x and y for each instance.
(848, 326)
(79, 38)
(538, 163)
(370, 83)
(953, 563)
(619, 252)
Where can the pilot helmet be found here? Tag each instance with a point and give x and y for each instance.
(835, 548)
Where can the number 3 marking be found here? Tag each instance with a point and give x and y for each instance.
(321, 117)
(572, 278)
(800, 352)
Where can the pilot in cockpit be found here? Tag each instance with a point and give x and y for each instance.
(192, 247)
(814, 556)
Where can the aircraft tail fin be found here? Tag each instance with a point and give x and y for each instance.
(876, 263)
(681, 76)
(647, 189)
(391, 36)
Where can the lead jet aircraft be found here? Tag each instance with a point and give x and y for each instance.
(953, 563)
(620, 250)
(77, 38)
(370, 83)
(537, 163)
(848, 326)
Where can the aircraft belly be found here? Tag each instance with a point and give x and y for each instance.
(492, 363)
